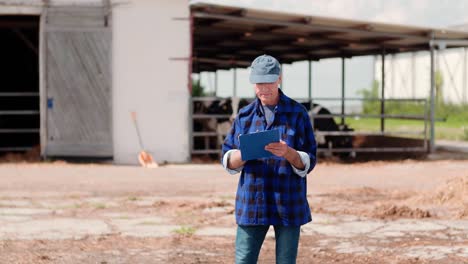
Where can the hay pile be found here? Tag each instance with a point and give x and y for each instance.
(452, 195)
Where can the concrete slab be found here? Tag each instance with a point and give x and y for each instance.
(144, 202)
(411, 226)
(330, 219)
(351, 248)
(436, 252)
(347, 229)
(120, 215)
(216, 231)
(57, 228)
(386, 234)
(59, 204)
(15, 203)
(226, 231)
(134, 221)
(148, 230)
(150, 200)
(42, 194)
(24, 211)
(454, 224)
(101, 202)
(14, 218)
(217, 210)
(144, 227)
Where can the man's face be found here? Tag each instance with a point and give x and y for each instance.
(267, 92)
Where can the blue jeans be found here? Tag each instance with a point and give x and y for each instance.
(249, 240)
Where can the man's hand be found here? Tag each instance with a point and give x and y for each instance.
(279, 149)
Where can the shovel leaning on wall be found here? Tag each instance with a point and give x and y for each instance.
(145, 159)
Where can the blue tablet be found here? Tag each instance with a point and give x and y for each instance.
(252, 145)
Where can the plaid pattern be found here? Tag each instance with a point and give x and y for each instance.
(269, 192)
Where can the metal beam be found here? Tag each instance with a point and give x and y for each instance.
(310, 83)
(285, 57)
(379, 149)
(26, 41)
(226, 61)
(465, 76)
(236, 41)
(234, 79)
(227, 58)
(19, 24)
(413, 75)
(329, 36)
(208, 22)
(244, 60)
(222, 62)
(386, 116)
(443, 43)
(282, 75)
(309, 73)
(370, 99)
(432, 103)
(19, 112)
(216, 83)
(342, 90)
(308, 26)
(382, 96)
(8, 94)
(242, 40)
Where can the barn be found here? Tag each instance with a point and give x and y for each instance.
(75, 71)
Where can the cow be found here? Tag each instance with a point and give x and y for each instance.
(231, 106)
(220, 125)
(328, 124)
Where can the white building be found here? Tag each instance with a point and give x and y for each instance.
(135, 46)
(408, 74)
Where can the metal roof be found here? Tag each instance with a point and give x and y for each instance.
(225, 37)
(460, 27)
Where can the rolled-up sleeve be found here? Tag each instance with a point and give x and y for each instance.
(306, 145)
(226, 157)
(306, 161)
(231, 144)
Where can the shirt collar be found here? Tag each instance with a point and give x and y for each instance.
(284, 104)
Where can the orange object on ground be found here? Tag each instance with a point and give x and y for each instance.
(144, 158)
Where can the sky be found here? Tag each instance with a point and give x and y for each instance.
(326, 74)
(431, 13)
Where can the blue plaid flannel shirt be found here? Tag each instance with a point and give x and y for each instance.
(269, 192)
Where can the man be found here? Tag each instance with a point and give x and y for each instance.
(271, 191)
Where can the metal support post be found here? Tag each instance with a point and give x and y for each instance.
(342, 90)
(382, 96)
(432, 103)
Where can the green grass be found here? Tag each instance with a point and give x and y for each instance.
(149, 223)
(71, 206)
(185, 231)
(452, 129)
(455, 126)
(99, 206)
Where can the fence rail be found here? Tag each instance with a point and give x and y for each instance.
(212, 136)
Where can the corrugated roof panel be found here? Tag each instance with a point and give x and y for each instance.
(229, 31)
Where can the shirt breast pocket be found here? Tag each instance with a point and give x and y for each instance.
(288, 135)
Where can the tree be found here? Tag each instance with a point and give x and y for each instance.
(370, 106)
(439, 82)
(198, 90)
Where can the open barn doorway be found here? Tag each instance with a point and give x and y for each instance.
(19, 87)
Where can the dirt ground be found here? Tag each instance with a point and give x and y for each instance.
(403, 211)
